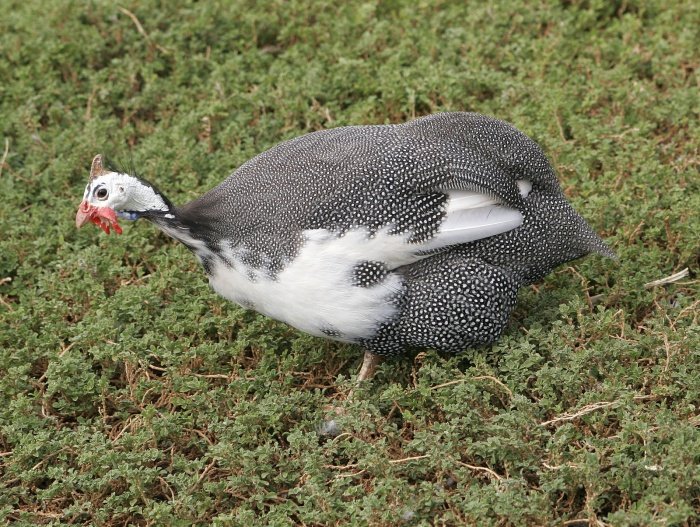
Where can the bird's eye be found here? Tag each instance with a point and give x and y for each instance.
(101, 193)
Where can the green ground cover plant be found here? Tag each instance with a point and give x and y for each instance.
(133, 395)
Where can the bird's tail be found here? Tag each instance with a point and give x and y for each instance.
(552, 233)
(585, 239)
(597, 245)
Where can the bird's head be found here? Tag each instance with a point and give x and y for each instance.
(111, 193)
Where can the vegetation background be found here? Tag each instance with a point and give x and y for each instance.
(133, 395)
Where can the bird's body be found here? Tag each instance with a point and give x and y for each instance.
(391, 236)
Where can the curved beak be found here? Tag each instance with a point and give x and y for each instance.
(103, 217)
(85, 212)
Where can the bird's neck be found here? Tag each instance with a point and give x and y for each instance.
(196, 237)
(146, 201)
(196, 231)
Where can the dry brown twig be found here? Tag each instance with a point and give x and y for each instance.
(592, 408)
(583, 411)
(668, 279)
(4, 155)
(481, 469)
(406, 459)
(476, 378)
(141, 30)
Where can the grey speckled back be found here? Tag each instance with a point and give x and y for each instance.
(372, 176)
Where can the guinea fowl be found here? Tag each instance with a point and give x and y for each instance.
(392, 237)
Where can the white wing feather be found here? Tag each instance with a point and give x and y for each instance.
(472, 216)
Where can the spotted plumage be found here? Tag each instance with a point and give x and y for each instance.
(392, 237)
(369, 273)
(449, 302)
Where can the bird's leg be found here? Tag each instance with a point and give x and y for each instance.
(369, 366)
